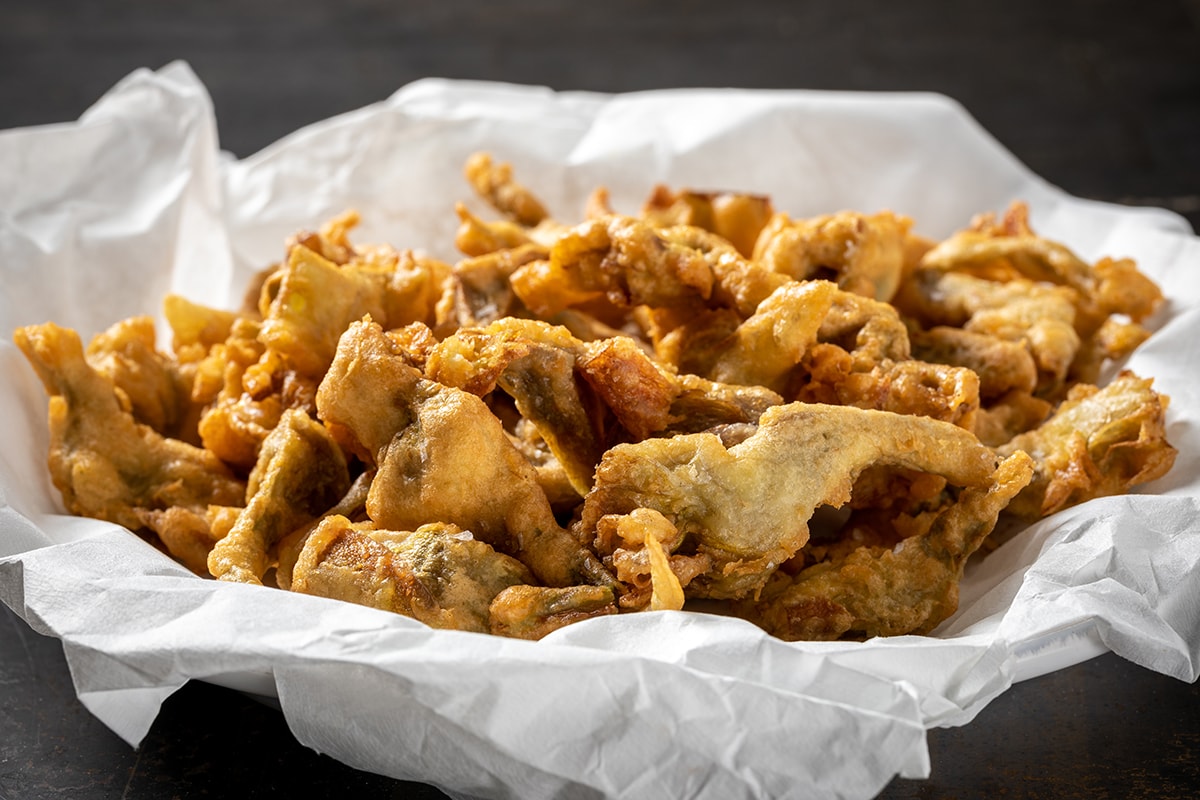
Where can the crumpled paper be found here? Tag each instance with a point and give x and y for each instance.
(102, 217)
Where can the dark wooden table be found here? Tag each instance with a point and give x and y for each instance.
(1101, 98)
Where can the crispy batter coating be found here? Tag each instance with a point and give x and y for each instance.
(763, 350)
(148, 383)
(863, 253)
(443, 457)
(105, 464)
(1002, 366)
(1041, 315)
(884, 591)
(531, 612)
(747, 507)
(1098, 442)
(300, 474)
(437, 574)
(946, 393)
(1010, 247)
(736, 218)
(494, 183)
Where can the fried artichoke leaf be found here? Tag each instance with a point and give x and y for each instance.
(881, 591)
(1098, 442)
(442, 456)
(300, 474)
(105, 464)
(747, 507)
(437, 574)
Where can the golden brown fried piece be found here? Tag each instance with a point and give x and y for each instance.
(763, 350)
(1113, 340)
(704, 405)
(531, 612)
(1040, 315)
(870, 331)
(189, 535)
(494, 183)
(353, 505)
(104, 463)
(640, 545)
(1016, 412)
(737, 218)
(300, 474)
(748, 507)
(437, 574)
(1123, 289)
(1002, 366)
(618, 258)
(639, 392)
(478, 238)
(195, 325)
(1010, 248)
(243, 390)
(863, 253)
(483, 293)
(1098, 442)
(535, 364)
(883, 591)
(739, 283)
(315, 302)
(442, 457)
(148, 383)
(556, 379)
(938, 391)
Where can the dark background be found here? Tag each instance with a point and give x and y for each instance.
(1101, 98)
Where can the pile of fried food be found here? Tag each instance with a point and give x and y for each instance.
(807, 423)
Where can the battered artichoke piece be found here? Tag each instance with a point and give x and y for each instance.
(763, 350)
(1016, 412)
(949, 394)
(737, 218)
(1040, 315)
(483, 293)
(105, 464)
(619, 258)
(316, 300)
(478, 238)
(148, 383)
(300, 474)
(739, 283)
(748, 507)
(545, 370)
(870, 331)
(1002, 365)
(704, 405)
(882, 591)
(863, 253)
(442, 456)
(561, 385)
(1010, 247)
(195, 325)
(531, 612)
(244, 389)
(494, 183)
(189, 535)
(1098, 442)
(437, 574)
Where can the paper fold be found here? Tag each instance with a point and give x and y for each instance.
(104, 216)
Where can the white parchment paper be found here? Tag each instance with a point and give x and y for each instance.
(100, 218)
